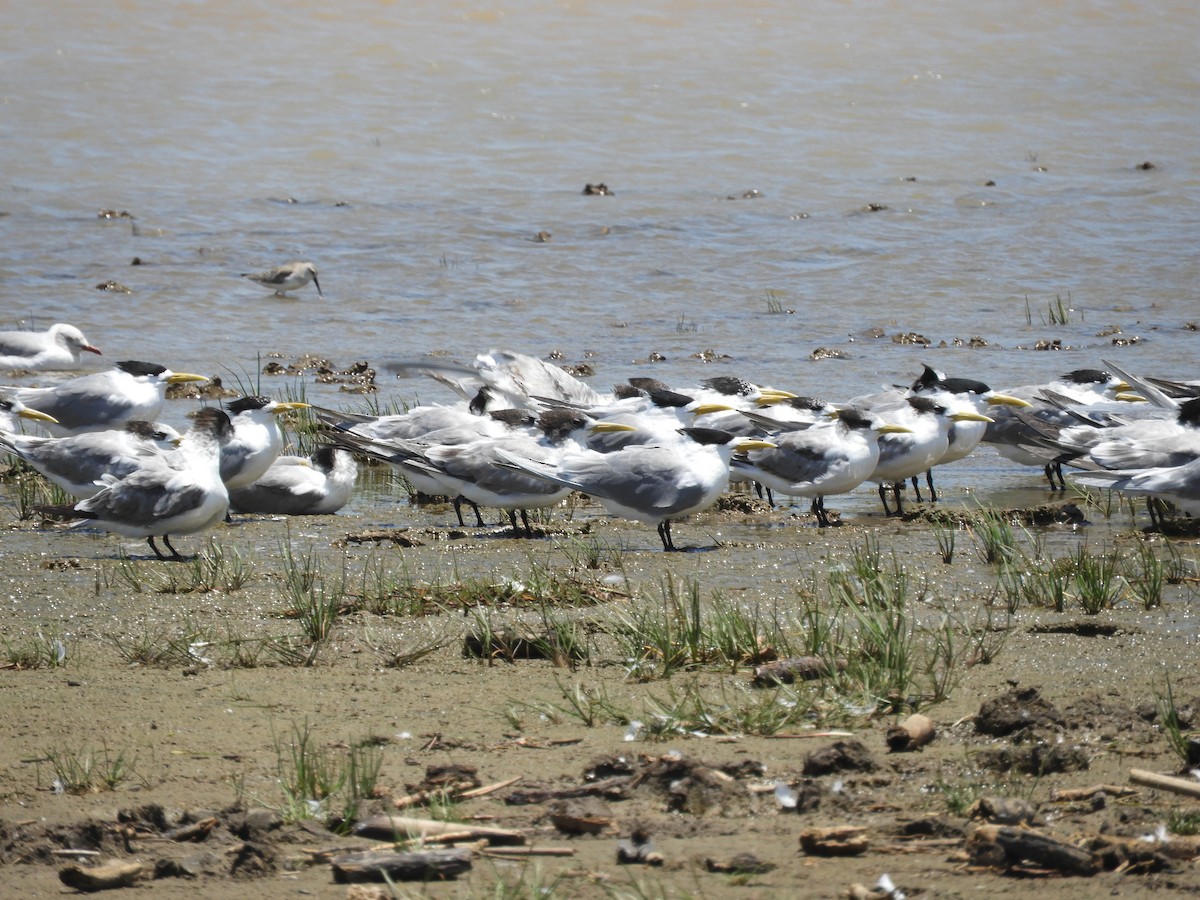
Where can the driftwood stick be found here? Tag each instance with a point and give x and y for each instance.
(612, 788)
(1165, 782)
(1007, 845)
(100, 878)
(808, 734)
(513, 852)
(387, 828)
(428, 865)
(1070, 795)
(845, 840)
(488, 789)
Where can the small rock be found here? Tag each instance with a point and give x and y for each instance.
(841, 756)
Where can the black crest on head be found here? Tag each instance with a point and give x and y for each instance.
(729, 385)
(246, 404)
(1189, 412)
(214, 421)
(649, 384)
(323, 457)
(853, 417)
(924, 405)
(708, 435)
(136, 367)
(665, 399)
(1087, 376)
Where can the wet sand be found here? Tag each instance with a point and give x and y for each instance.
(204, 725)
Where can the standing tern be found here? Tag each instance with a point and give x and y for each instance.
(60, 346)
(905, 454)
(133, 390)
(826, 458)
(288, 277)
(651, 484)
(959, 394)
(300, 485)
(177, 493)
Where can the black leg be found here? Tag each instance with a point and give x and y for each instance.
(664, 532)
(512, 519)
(457, 504)
(929, 484)
(818, 510)
(154, 547)
(525, 522)
(883, 498)
(479, 523)
(175, 555)
(897, 488)
(916, 487)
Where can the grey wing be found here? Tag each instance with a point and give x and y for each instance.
(141, 499)
(796, 462)
(629, 477)
(20, 343)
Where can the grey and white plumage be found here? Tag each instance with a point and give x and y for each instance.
(521, 381)
(1179, 485)
(400, 440)
(300, 485)
(256, 440)
(826, 458)
(905, 454)
(176, 493)
(79, 463)
(60, 346)
(654, 484)
(104, 400)
(960, 395)
(1169, 439)
(288, 277)
(1075, 396)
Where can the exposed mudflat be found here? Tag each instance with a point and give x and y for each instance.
(204, 694)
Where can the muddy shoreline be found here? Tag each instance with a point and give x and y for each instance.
(190, 688)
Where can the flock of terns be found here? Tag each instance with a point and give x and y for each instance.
(526, 433)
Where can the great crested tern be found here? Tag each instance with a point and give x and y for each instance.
(80, 463)
(1079, 395)
(300, 485)
(521, 381)
(97, 402)
(288, 277)
(905, 454)
(1178, 485)
(654, 484)
(60, 346)
(177, 493)
(256, 439)
(958, 395)
(832, 457)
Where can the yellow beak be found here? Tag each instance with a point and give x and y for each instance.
(704, 409)
(1006, 400)
(610, 427)
(969, 416)
(37, 416)
(184, 378)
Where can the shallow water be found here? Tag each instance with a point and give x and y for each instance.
(414, 151)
